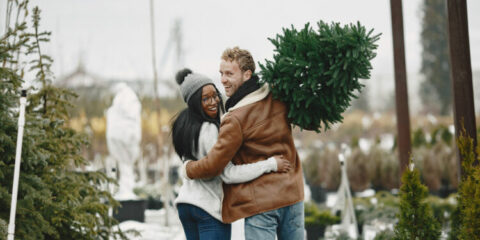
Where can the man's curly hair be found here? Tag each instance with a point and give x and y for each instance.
(242, 56)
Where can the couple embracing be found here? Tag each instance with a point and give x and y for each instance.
(243, 165)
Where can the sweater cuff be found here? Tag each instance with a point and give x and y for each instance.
(183, 170)
(272, 164)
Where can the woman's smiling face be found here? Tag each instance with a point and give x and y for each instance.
(210, 100)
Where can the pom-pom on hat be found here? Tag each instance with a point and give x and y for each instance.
(190, 82)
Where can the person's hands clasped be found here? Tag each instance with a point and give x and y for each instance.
(283, 165)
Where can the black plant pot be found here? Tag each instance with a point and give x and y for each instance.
(319, 194)
(131, 210)
(315, 232)
(154, 203)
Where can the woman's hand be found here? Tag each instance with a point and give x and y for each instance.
(283, 165)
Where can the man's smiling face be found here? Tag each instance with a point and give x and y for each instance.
(232, 76)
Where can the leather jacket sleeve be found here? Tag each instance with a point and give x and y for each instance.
(230, 138)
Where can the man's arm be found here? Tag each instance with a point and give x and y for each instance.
(230, 138)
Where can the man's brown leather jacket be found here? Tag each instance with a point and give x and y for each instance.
(253, 130)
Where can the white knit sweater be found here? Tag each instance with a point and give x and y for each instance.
(208, 194)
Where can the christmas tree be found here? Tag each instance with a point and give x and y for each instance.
(416, 219)
(56, 199)
(316, 73)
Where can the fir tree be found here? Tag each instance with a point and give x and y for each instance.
(466, 219)
(435, 91)
(316, 72)
(416, 219)
(56, 200)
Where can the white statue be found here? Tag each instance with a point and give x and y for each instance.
(123, 138)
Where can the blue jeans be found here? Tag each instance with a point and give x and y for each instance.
(287, 223)
(199, 225)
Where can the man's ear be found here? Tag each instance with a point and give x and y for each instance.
(247, 75)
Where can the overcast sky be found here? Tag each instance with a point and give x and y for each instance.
(113, 36)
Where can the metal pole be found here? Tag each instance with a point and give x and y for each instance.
(401, 91)
(461, 70)
(8, 12)
(154, 53)
(160, 141)
(166, 185)
(18, 155)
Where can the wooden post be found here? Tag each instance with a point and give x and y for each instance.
(461, 70)
(401, 91)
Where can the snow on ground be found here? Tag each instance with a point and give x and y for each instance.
(152, 231)
(154, 227)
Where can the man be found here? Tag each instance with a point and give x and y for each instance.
(255, 127)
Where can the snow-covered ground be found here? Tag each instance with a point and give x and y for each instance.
(154, 227)
(152, 231)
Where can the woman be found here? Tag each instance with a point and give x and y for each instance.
(194, 132)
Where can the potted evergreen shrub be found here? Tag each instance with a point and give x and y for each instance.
(416, 219)
(56, 200)
(466, 217)
(316, 221)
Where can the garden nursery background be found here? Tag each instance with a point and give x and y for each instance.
(81, 60)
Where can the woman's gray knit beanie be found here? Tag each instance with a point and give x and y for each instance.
(190, 82)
